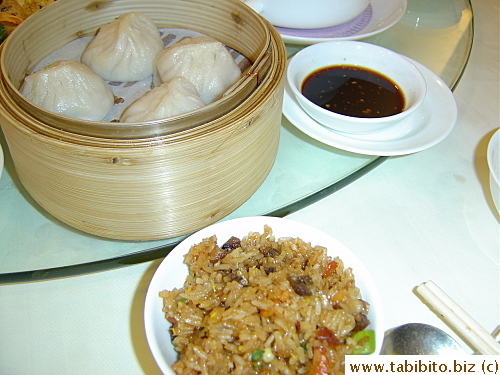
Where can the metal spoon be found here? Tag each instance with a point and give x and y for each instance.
(419, 339)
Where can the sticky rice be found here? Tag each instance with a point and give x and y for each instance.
(261, 305)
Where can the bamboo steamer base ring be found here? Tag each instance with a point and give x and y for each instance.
(155, 188)
(139, 193)
(131, 194)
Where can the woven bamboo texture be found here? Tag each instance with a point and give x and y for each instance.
(149, 187)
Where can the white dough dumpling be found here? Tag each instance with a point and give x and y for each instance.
(71, 89)
(125, 49)
(204, 61)
(172, 98)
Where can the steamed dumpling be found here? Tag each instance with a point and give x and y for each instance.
(71, 89)
(204, 61)
(172, 98)
(125, 49)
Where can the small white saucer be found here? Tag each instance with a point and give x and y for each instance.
(377, 17)
(425, 128)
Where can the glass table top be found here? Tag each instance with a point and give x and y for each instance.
(36, 246)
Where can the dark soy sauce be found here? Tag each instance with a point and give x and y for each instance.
(354, 91)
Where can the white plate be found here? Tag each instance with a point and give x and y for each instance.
(172, 272)
(425, 128)
(377, 17)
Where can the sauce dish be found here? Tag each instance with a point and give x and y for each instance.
(396, 68)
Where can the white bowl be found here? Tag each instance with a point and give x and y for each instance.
(359, 54)
(494, 166)
(310, 14)
(172, 273)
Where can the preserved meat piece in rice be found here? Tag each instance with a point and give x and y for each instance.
(231, 244)
(301, 284)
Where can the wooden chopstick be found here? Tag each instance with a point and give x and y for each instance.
(458, 319)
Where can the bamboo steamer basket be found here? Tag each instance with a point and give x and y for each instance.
(146, 185)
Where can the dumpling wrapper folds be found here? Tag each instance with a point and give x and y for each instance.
(204, 61)
(71, 89)
(174, 97)
(125, 49)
